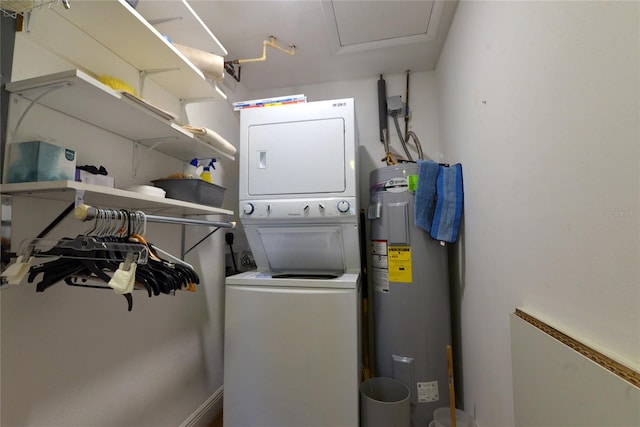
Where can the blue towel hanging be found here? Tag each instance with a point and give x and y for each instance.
(448, 209)
(425, 194)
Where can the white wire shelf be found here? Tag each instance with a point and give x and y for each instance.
(15, 8)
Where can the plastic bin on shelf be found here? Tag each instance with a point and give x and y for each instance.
(192, 190)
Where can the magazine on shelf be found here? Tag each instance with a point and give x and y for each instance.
(270, 102)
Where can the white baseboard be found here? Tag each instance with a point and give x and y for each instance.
(206, 412)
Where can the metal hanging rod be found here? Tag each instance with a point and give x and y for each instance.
(85, 213)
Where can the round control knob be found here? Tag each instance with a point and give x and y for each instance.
(248, 208)
(343, 206)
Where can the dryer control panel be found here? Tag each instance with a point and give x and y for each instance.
(316, 208)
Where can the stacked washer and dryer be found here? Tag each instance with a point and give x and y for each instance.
(292, 327)
(292, 333)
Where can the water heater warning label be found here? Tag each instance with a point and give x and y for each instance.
(428, 392)
(380, 265)
(400, 264)
(379, 247)
(380, 280)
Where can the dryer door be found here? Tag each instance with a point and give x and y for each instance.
(300, 157)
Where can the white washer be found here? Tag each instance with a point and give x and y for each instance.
(291, 351)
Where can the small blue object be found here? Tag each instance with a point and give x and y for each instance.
(194, 162)
(425, 194)
(448, 207)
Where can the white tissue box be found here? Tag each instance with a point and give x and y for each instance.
(40, 161)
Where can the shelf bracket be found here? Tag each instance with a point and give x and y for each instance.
(137, 158)
(199, 241)
(186, 101)
(6, 231)
(49, 89)
(143, 74)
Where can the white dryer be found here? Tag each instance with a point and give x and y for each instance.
(298, 187)
(292, 327)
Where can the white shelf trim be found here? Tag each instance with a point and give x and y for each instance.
(108, 197)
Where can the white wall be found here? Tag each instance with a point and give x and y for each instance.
(76, 357)
(539, 102)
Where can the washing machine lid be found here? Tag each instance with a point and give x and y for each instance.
(270, 279)
(297, 157)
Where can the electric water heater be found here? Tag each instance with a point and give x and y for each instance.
(409, 270)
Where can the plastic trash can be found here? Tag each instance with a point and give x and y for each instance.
(384, 402)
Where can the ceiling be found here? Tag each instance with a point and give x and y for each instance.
(334, 40)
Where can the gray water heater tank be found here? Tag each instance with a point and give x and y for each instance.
(410, 283)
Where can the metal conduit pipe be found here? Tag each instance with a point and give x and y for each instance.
(402, 140)
(267, 43)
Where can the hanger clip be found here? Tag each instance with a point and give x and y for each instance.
(124, 277)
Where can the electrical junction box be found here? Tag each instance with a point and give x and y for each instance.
(40, 161)
(394, 105)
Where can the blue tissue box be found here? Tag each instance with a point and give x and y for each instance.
(40, 161)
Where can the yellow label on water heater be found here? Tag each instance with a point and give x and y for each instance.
(400, 264)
